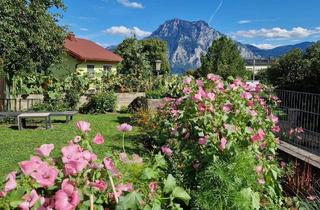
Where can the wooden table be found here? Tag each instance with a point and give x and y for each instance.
(24, 116)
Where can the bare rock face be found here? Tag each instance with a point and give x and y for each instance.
(187, 41)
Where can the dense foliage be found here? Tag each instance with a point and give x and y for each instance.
(102, 102)
(59, 93)
(165, 85)
(138, 65)
(296, 71)
(219, 138)
(156, 49)
(30, 36)
(223, 58)
(79, 180)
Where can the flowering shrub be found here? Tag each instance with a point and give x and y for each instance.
(220, 140)
(79, 180)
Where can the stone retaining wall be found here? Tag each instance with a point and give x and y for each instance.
(123, 99)
(22, 104)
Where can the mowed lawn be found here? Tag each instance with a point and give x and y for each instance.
(18, 145)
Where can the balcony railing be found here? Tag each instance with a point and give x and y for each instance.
(300, 110)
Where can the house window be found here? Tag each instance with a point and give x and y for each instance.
(90, 69)
(107, 68)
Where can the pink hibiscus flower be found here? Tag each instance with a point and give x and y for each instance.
(83, 126)
(98, 139)
(29, 200)
(227, 107)
(186, 90)
(124, 127)
(44, 150)
(100, 185)
(77, 139)
(199, 83)
(213, 77)
(211, 96)
(246, 95)
(109, 165)
(29, 166)
(45, 175)
(153, 186)
(46, 204)
(166, 150)
(187, 80)
(259, 169)
(125, 187)
(223, 143)
(273, 118)
(67, 198)
(259, 136)
(275, 129)
(11, 182)
(202, 140)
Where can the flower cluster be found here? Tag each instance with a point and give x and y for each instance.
(79, 180)
(214, 121)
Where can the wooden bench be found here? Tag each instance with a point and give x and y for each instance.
(24, 116)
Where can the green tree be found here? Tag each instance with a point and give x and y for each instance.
(296, 70)
(289, 71)
(312, 77)
(156, 49)
(223, 58)
(135, 64)
(29, 35)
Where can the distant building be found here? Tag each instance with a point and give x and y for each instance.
(85, 56)
(257, 64)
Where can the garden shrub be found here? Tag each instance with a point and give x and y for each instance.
(139, 103)
(156, 94)
(78, 179)
(50, 107)
(220, 140)
(71, 94)
(100, 103)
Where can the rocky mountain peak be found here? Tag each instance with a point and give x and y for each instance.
(187, 41)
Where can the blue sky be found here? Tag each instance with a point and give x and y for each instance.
(265, 23)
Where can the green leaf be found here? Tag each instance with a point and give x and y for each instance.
(250, 199)
(148, 174)
(160, 161)
(130, 201)
(181, 194)
(169, 184)
(156, 205)
(256, 200)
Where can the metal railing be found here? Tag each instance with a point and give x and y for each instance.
(300, 110)
(18, 104)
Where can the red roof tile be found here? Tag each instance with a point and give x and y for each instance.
(86, 50)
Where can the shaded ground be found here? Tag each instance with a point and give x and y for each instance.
(18, 145)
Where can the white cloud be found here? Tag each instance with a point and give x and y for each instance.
(265, 46)
(128, 3)
(83, 29)
(124, 31)
(278, 33)
(244, 21)
(105, 45)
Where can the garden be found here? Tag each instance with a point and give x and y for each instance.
(212, 144)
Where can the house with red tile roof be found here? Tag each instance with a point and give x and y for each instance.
(86, 56)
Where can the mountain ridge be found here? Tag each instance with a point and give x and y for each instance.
(188, 40)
